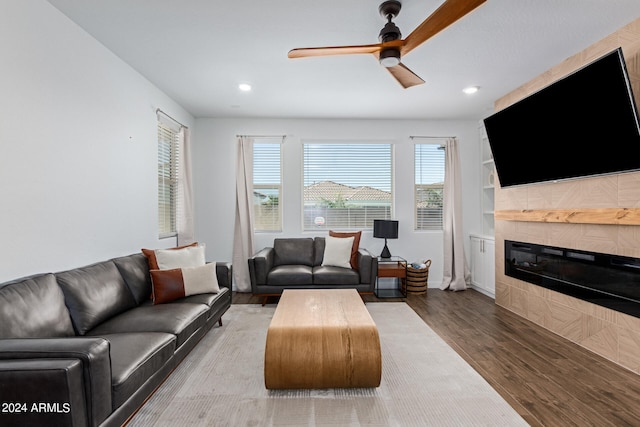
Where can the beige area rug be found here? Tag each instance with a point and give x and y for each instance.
(424, 382)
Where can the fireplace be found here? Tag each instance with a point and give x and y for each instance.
(611, 281)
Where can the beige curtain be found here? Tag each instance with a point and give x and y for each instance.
(243, 231)
(184, 225)
(456, 271)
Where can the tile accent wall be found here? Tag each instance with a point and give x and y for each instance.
(613, 335)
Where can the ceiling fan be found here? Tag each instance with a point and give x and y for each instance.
(391, 46)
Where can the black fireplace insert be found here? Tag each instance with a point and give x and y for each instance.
(611, 281)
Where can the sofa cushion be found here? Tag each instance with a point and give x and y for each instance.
(169, 285)
(181, 320)
(356, 244)
(293, 251)
(94, 294)
(135, 357)
(290, 275)
(135, 272)
(33, 307)
(328, 275)
(337, 252)
(216, 304)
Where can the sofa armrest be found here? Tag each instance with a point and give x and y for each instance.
(224, 274)
(367, 267)
(45, 356)
(38, 392)
(259, 266)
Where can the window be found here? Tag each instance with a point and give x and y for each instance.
(346, 185)
(267, 187)
(168, 143)
(429, 186)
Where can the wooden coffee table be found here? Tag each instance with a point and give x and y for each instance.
(322, 339)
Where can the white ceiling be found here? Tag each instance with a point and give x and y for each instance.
(197, 51)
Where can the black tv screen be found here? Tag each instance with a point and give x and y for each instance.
(581, 125)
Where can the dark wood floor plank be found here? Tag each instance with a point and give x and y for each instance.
(547, 379)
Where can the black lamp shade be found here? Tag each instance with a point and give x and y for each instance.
(386, 229)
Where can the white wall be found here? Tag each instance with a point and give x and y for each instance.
(214, 172)
(79, 146)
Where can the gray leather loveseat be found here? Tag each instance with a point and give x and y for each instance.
(297, 263)
(86, 347)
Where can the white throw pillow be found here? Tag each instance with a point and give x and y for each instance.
(192, 256)
(337, 251)
(201, 280)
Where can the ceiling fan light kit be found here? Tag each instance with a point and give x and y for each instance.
(391, 46)
(390, 57)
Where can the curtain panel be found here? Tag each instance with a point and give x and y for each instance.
(243, 246)
(456, 274)
(185, 222)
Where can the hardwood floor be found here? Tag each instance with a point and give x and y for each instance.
(546, 378)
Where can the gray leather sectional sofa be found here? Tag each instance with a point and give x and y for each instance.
(87, 347)
(296, 263)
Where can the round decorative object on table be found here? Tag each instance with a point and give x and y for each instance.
(417, 279)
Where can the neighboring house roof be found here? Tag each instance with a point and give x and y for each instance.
(332, 191)
(370, 193)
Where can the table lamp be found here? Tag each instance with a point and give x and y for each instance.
(387, 229)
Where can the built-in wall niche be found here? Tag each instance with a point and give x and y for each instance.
(610, 281)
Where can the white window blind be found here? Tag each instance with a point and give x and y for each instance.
(429, 185)
(168, 151)
(267, 185)
(346, 185)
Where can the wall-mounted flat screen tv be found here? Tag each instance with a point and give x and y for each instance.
(581, 125)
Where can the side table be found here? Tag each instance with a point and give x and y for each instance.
(393, 267)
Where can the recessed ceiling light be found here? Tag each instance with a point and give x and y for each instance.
(245, 87)
(471, 89)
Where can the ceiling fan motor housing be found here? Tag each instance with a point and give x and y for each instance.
(389, 32)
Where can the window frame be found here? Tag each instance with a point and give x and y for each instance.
(169, 138)
(418, 222)
(309, 225)
(278, 186)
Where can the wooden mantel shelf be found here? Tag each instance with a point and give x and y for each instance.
(616, 216)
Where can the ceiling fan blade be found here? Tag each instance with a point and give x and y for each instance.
(448, 13)
(335, 50)
(343, 50)
(405, 76)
